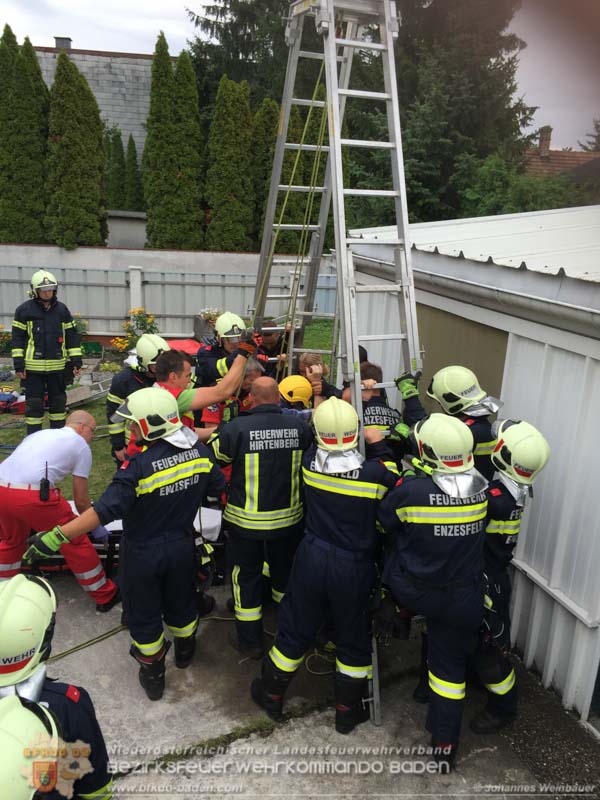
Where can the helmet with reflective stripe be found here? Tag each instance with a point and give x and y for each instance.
(229, 325)
(336, 425)
(456, 389)
(148, 348)
(445, 443)
(296, 389)
(42, 279)
(28, 734)
(154, 410)
(27, 610)
(521, 451)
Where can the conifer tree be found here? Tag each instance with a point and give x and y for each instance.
(291, 173)
(188, 221)
(75, 214)
(229, 192)
(8, 59)
(134, 200)
(161, 161)
(266, 121)
(117, 170)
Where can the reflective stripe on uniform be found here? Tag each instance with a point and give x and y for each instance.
(263, 520)
(284, 663)
(353, 672)
(85, 576)
(442, 515)
(508, 527)
(241, 613)
(452, 691)
(105, 793)
(46, 365)
(17, 352)
(58, 416)
(251, 470)
(187, 630)
(222, 367)
(266, 570)
(392, 467)
(116, 427)
(165, 477)
(19, 325)
(10, 567)
(330, 483)
(503, 687)
(113, 398)
(277, 596)
(218, 452)
(92, 587)
(295, 478)
(151, 648)
(484, 448)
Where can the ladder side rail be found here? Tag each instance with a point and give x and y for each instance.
(264, 263)
(402, 255)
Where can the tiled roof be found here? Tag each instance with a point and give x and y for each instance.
(556, 162)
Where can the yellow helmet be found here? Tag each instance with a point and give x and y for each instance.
(521, 451)
(229, 325)
(296, 389)
(456, 389)
(42, 279)
(154, 410)
(336, 425)
(27, 611)
(148, 348)
(445, 443)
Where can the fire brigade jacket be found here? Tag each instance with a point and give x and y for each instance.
(501, 529)
(439, 539)
(480, 427)
(377, 414)
(342, 508)
(212, 364)
(265, 447)
(124, 383)
(158, 492)
(44, 339)
(74, 712)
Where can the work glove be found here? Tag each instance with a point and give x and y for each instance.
(230, 411)
(44, 545)
(390, 620)
(400, 433)
(407, 385)
(100, 534)
(247, 346)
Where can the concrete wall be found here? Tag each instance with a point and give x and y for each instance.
(119, 81)
(126, 229)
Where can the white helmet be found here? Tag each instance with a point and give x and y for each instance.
(456, 389)
(154, 410)
(336, 425)
(445, 444)
(521, 451)
(27, 612)
(148, 348)
(229, 325)
(42, 279)
(29, 740)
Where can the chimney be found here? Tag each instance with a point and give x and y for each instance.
(545, 135)
(62, 42)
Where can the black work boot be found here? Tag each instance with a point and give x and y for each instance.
(152, 671)
(444, 754)
(185, 647)
(490, 721)
(351, 703)
(268, 690)
(421, 690)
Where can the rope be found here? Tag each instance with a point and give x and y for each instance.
(89, 643)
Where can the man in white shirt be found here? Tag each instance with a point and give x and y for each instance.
(29, 500)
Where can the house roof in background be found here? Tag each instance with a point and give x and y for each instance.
(557, 162)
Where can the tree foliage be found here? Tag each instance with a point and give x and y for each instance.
(134, 199)
(592, 143)
(75, 214)
(114, 168)
(229, 191)
(265, 125)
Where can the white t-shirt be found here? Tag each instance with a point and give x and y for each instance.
(65, 451)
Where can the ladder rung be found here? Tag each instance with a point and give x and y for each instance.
(361, 45)
(292, 227)
(381, 337)
(285, 188)
(370, 193)
(300, 101)
(366, 288)
(284, 296)
(312, 350)
(320, 314)
(365, 95)
(367, 143)
(310, 148)
(308, 54)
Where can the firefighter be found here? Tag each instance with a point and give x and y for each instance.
(217, 413)
(29, 500)
(131, 378)
(157, 495)
(334, 568)
(312, 367)
(264, 509)
(273, 345)
(27, 616)
(44, 339)
(174, 371)
(296, 396)
(520, 454)
(436, 565)
(458, 392)
(214, 360)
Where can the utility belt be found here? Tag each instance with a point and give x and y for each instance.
(43, 488)
(338, 552)
(419, 583)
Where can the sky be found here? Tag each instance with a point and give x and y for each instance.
(559, 70)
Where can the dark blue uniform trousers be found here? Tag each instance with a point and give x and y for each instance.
(330, 583)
